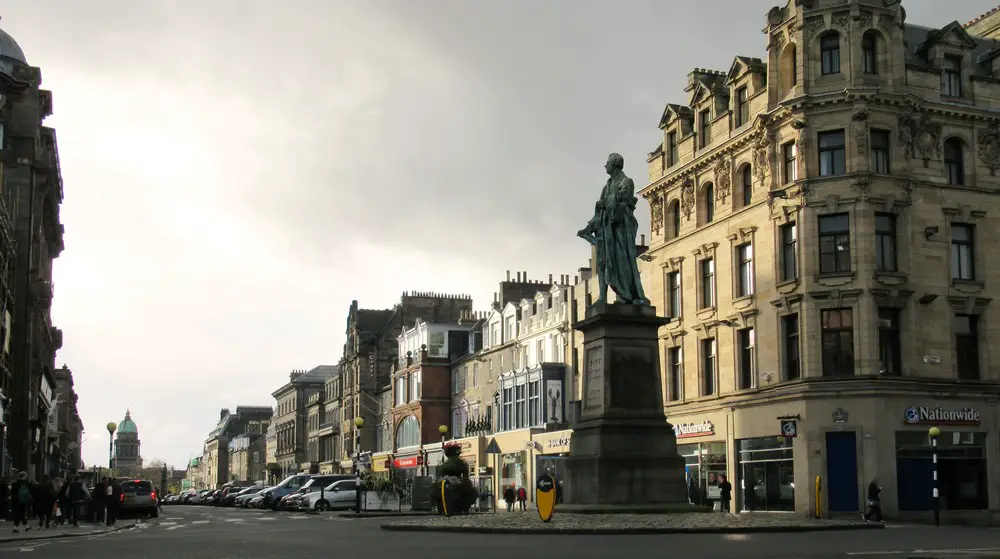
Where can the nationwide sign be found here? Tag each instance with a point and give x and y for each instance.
(688, 430)
(920, 415)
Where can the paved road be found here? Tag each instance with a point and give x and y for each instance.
(207, 533)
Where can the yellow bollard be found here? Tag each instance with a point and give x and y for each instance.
(819, 497)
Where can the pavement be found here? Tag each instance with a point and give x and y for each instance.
(194, 532)
(609, 524)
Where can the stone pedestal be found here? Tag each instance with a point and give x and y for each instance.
(623, 454)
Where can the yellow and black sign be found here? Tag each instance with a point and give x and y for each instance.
(545, 496)
(445, 496)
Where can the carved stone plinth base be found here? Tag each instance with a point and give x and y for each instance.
(623, 454)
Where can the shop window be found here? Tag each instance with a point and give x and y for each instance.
(967, 346)
(708, 358)
(765, 470)
(962, 471)
(832, 153)
(885, 242)
(746, 359)
(790, 351)
(675, 375)
(889, 342)
(834, 243)
(838, 342)
(705, 466)
(789, 255)
(963, 252)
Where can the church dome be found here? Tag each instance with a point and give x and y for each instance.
(10, 49)
(127, 425)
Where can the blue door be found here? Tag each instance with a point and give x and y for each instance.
(842, 471)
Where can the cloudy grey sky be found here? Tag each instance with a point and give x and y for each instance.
(237, 171)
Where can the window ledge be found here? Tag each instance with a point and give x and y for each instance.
(890, 278)
(968, 286)
(706, 313)
(743, 302)
(787, 286)
(957, 99)
(835, 278)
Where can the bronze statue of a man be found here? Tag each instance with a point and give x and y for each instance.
(612, 231)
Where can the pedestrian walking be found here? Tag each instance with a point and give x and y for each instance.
(522, 499)
(725, 493)
(78, 497)
(21, 501)
(874, 512)
(45, 501)
(509, 497)
(99, 499)
(4, 497)
(112, 496)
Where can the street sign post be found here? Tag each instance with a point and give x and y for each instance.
(545, 496)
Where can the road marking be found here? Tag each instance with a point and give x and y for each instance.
(964, 551)
(268, 518)
(174, 527)
(200, 521)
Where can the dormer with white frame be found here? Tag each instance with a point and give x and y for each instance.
(950, 50)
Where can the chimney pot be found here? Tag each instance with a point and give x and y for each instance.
(550, 278)
(508, 275)
(642, 239)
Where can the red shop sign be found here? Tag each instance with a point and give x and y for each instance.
(411, 462)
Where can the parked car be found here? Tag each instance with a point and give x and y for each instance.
(339, 495)
(291, 484)
(139, 495)
(257, 502)
(229, 499)
(243, 500)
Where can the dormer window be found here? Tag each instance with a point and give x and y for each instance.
(671, 148)
(869, 53)
(704, 127)
(951, 76)
(742, 107)
(829, 48)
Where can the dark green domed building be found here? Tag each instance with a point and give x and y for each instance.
(128, 460)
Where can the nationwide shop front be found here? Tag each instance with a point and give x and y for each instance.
(702, 440)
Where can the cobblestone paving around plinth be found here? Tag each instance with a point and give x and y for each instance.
(681, 523)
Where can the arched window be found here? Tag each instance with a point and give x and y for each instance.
(954, 160)
(408, 432)
(746, 183)
(829, 51)
(674, 214)
(708, 199)
(869, 53)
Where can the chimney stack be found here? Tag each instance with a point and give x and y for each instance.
(525, 275)
(508, 275)
(576, 279)
(642, 239)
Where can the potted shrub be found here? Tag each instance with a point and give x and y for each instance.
(459, 491)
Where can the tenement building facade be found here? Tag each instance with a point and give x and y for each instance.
(820, 228)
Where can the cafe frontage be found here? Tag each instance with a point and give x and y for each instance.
(774, 453)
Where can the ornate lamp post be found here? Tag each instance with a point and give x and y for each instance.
(112, 427)
(934, 432)
(359, 422)
(443, 429)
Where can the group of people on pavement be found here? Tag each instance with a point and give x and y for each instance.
(55, 501)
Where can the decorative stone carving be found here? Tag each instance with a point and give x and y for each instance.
(815, 25)
(723, 178)
(862, 187)
(861, 138)
(687, 198)
(907, 190)
(885, 22)
(778, 41)
(865, 20)
(988, 147)
(861, 113)
(920, 138)
(761, 165)
(841, 19)
(656, 213)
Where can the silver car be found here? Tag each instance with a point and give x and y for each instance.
(139, 495)
(339, 495)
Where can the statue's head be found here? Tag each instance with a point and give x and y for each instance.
(615, 163)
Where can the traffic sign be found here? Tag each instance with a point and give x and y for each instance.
(493, 447)
(545, 496)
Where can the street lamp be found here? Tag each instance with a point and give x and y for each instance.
(934, 432)
(359, 422)
(112, 427)
(443, 429)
